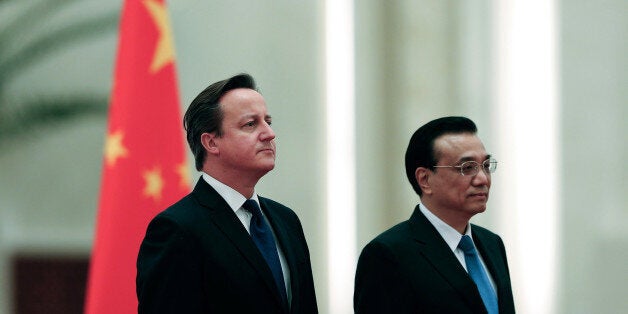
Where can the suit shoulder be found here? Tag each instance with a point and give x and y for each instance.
(183, 212)
(395, 233)
(273, 203)
(486, 236)
(484, 232)
(277, 207)
(394, 239)
(388, 246)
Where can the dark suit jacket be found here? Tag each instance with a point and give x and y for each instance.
(410, 269)
(197, 257)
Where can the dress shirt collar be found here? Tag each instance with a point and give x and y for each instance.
(231, 196)
(447, 232)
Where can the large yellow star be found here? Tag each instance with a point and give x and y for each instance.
(164, 52)
(114, 148)
(184, 175)
(153, 183)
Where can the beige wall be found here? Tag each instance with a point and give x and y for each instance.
(415, 60)
(594, 265)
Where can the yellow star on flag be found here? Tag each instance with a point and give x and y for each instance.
(153, 183)
(184, 175)
(164, 52)
(114, 148)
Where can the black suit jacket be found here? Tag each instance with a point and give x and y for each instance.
(410, 269)
(197, 257)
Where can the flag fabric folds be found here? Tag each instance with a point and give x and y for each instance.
(144, 164)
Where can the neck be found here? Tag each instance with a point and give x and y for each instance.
(456, 220)
(242, 183)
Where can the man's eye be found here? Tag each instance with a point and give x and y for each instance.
(269, 122)
(468, 167)
(250, 123)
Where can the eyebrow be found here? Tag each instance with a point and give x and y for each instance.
(463, 159)
(253, 116)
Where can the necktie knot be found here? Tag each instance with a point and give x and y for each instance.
(466, 245)
(252, 207)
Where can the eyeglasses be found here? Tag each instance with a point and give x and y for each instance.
(471, 168)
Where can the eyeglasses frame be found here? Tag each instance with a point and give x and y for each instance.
(477, 168)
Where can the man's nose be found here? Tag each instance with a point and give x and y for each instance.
(267, 133)
(481, 178)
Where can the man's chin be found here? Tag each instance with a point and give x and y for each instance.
(268, 167)
(478, 208)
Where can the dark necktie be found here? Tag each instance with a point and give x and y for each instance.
(479, 276)
(263, 238)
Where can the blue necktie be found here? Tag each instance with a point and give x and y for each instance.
(479, 276)
(263, 238)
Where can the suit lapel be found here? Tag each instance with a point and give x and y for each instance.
(434, 248)
(226, 221)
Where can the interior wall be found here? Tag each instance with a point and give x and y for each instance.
(594, 72)
(415, 60)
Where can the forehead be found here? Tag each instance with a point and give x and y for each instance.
(242, 101)
(459, 147)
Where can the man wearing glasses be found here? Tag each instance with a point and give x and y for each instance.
(437, 262)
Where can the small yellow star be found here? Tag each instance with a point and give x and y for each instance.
(114, 148)
(164, 52)
(154, 183)
(184, 175)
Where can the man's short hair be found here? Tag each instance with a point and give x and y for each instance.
(205, 115)
(420, 152)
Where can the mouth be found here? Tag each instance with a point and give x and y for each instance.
(479, 195)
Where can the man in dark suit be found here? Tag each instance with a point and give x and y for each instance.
(214, 251)
(429, 263)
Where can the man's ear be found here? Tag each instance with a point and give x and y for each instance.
(208, 140)
(422, 176)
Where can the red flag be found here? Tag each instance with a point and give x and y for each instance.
(144, 167)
